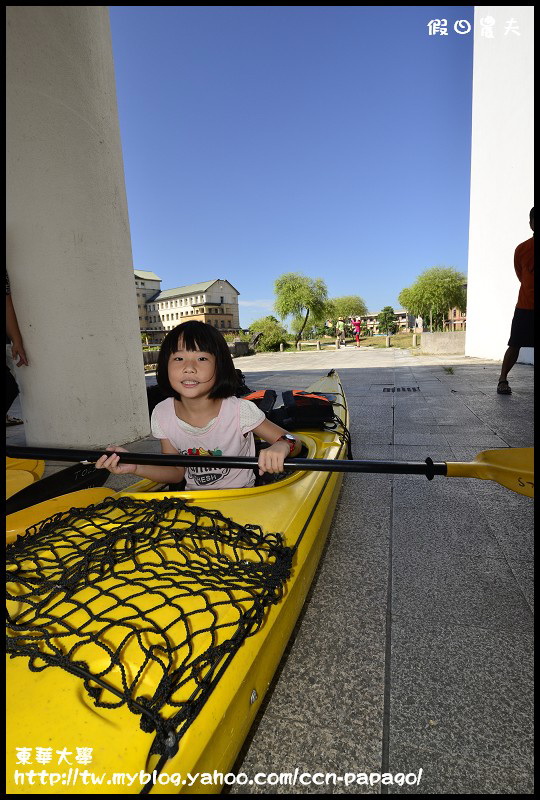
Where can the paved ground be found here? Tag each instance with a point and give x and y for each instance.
(414, 649)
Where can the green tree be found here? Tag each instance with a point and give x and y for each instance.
(434, 293)
(319, 330)
(298, 326)
(312, 329)
(273, 334)
(299, 296)
(348, 306)
(386, 319)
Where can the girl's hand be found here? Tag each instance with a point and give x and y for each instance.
(271, 459)
(112, 463)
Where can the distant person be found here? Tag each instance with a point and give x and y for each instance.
(356, 322)
(202, 416)
(340, 332)
(522, 331)
(13, 335)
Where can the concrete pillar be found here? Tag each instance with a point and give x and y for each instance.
(388, 341)
(318, 345)
(68, 241)
(298, 345)
(281, 347)
(502, 176)
(414, 340)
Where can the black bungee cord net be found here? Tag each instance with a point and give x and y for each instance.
(145, 600)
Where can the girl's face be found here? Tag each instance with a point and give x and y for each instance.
(192, 373)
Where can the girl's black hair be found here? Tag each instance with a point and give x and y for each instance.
(198, 336)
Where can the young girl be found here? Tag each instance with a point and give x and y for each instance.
(201, 415)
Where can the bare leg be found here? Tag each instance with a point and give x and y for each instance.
(510, 358)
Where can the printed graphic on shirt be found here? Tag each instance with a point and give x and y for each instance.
(204, 476)
(200, 451)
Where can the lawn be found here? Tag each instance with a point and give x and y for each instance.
(401, 340)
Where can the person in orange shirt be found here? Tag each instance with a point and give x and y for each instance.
(522, 332)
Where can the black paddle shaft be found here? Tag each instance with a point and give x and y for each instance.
(427, 467)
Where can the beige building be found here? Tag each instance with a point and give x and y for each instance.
(404, 320)
(457, 320)
(147, 285)
(214, 302)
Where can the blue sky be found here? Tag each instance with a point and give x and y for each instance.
(331, 141)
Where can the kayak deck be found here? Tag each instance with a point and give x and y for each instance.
(22, 472)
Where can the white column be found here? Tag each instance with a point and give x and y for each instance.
(69, 248)
(501, 173)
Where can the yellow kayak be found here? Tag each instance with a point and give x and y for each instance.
(26, 487)
(21, 472)
(34, 466)
(174, 635)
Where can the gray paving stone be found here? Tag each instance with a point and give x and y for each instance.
(428, 533)
(474, 702)
(332, 686)
(511, 523)
(524, 575)
(422, 437)
(441, 453)
(480, 440)
(310, 749)
(444, 773)
(376, 433)
(451, 589)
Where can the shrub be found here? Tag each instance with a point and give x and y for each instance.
(273, 334)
